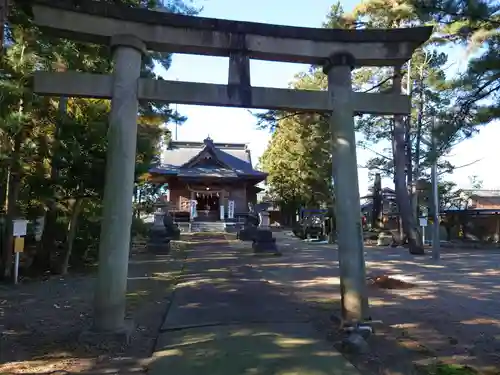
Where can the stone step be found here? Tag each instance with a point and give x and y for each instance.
(207, 226)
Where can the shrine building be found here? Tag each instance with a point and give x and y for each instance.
(208, 181)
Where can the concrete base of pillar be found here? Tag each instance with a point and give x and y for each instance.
(247, 234)
(159, 241)
(159, 248)
(355, 343)
(356, 337)
(264, 243)
(117, 338)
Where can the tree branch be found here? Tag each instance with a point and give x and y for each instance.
(375, 152)
(381, 83)
(462, 166)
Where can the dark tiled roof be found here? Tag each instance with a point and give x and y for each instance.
(207, 172)
(235, 158)
(483, 193)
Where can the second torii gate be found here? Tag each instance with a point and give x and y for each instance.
(131, 32)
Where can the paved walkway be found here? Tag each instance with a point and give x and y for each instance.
(227, 319)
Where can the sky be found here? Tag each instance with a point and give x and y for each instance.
(239, 125)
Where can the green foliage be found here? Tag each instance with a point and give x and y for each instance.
(140, 228)
(59, 157)
(447, 369)
(431, 96)
(474, 24)
(451, 196)
(298, 160)
(298, 157)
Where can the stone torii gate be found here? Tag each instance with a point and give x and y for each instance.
(131, 32)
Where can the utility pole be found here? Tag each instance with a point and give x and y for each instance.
(412, 188)
(176, 117)
(176, 122)
(436, 241)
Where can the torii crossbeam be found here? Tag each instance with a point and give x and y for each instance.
(131, 32)
(87, 85)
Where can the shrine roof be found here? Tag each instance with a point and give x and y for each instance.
(229, 160)
(207, 172)
(483, 193)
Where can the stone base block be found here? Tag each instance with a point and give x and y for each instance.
(159, 248)
(116, 338)
(264, 235)
(384, 239)
(355, 343)
(265, 247)
(247, 234)
(264, 243)
(159, 239)
(233, 228)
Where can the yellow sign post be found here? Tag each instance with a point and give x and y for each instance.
(19, 229)
(18, 248)
(19, 244)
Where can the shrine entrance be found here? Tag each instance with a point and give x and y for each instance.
(207, 206)
(207, 201)
(132, 32)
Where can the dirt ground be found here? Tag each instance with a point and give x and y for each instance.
(40, 321)
(450, 314)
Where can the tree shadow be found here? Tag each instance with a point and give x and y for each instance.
(226, 319)
(286, 348)
(233, 312)
(41, 322)
(452, 313)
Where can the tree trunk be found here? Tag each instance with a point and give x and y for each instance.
(4, 10)
(3, 209)
(410, 182)
(377, 203)
(411, 176)
(4, 177)
(136, 213)
(332, 237)
(42, 261)
(398, 148)
(4, 188)
(12, 206)
(139, 203)
(72, 226)
(332, 226)
(418, 140)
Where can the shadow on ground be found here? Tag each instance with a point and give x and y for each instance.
(234, 313)
(226, 319)
(290, 348)
(41, 321)
(451, 315)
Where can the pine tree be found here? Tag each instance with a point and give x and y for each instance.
(475, 26)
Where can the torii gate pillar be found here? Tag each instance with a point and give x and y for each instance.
(345, 173)
(109, 303)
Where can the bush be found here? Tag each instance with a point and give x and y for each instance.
(139, 228)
